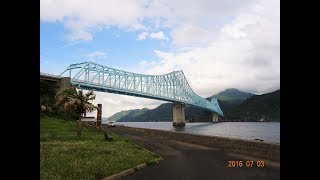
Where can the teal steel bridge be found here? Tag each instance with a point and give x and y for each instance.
(172, 86)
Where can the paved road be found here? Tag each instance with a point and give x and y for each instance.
(186, 161)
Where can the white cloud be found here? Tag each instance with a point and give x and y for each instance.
(154, 35)
(158, 35)
(143, 36)
(80, 35)
(145, 63)
(184, 36)
(244, 55)
(96, 55)
(83, 17)
(218, 44)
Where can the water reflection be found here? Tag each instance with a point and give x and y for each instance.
(179, 128)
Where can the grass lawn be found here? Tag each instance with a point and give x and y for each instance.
(64, 156)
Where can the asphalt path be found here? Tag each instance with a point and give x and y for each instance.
(186, 161)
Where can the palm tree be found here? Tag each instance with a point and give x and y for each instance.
(73, 99)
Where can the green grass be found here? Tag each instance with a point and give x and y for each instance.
(64, 156)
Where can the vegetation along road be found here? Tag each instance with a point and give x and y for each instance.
(63, 155)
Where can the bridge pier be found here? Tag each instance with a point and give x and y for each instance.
(58, 82)
(65, 83)
(215, 117)
(178, 114)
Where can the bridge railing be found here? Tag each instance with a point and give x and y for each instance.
(49, 75)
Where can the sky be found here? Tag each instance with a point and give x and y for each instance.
(218, 44)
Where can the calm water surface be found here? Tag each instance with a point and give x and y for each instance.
(268, 131)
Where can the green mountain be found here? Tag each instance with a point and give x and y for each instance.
(228, 99)
(119, 115)
(264, 107)
(232, 94)
(130, 113)
(161, 113)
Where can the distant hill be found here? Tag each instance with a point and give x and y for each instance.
(119, 115)
(232, 94)
(131, 113)
(228, 99)
(257, 107)
(161, 113)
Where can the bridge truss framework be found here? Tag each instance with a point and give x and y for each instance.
(172, 86)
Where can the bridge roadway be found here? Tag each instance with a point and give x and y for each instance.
(61, 82)
(188, 161)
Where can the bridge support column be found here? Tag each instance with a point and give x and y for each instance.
(65, 83)
(178, 114)
(99, 123)
(215, 117)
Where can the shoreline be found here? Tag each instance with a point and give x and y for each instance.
(260, 149)
(213, 135)
(223, 137)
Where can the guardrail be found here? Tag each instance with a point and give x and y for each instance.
(49, 75)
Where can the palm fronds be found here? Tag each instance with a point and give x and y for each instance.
(72, 98)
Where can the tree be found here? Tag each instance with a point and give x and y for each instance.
(73, 99)
(47, 93)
